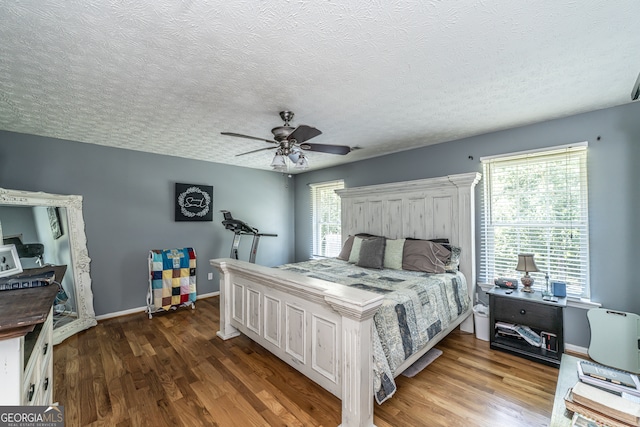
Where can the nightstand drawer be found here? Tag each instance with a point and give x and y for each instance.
(532, 314)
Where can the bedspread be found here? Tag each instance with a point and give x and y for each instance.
(416, 307)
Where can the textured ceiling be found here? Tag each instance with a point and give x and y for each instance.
(168, 76)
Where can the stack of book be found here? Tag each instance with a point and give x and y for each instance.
(520, 332)
(24, 280)
(604, 396)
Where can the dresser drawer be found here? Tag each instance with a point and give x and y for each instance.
(39, 366)
(31, 386)
(535, 315)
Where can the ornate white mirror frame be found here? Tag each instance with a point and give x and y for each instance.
(79, 254)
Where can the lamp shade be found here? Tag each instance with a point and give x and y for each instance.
(526, 263)
(302, 162)
(278, 162)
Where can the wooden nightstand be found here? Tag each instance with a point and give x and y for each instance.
(527, 309)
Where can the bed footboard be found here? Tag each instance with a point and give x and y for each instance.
(322, 329)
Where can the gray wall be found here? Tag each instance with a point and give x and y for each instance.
(614, 198)
(129, 208)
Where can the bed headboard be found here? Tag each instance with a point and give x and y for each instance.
(422, 209)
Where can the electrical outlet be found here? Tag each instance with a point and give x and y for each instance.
(210, 276)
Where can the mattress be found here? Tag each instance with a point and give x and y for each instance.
(416, 307)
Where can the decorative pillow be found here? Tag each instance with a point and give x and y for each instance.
(424, 255)
(454, 261)
(372, 253)
(354, 256)
(345, 253)
(346, 249)
(393, 254)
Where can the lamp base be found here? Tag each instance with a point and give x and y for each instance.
(527, 282)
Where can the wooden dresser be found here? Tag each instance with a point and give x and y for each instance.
(26, 346)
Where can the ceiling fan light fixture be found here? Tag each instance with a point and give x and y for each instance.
(278, 162)
(302, 162)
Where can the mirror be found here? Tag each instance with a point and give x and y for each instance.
(50, 231)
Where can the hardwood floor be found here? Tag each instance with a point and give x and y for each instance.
(174, 371)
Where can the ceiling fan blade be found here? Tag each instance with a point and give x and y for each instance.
(326, 148)
(304, 133)
(255, 151)
(247, 136)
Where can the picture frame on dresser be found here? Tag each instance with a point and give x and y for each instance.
(9, 261)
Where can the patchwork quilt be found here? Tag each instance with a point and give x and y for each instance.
(173, 276)
(416, 307)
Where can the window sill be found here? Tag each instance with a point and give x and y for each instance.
(583, 303)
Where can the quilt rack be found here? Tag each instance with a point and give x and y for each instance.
(172, 280)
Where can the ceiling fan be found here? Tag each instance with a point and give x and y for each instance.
(290, 142)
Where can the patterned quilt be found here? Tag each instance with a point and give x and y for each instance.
(416, 307)
(173, 276)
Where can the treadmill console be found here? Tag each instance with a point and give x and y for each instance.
(236, 225)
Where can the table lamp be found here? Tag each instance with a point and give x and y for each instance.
(526, 264)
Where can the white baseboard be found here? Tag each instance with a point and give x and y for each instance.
(576, 349)
(209, 295)
(121, 313)
(144, 308)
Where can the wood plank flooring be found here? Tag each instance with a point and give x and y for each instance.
(172, 370)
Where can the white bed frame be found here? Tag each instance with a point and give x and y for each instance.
(324, 329)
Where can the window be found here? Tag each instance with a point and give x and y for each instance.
(536, 202)
(325, 211)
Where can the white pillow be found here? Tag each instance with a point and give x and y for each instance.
(354, 256)
(393, 254)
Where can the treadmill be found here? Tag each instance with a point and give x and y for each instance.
(241, 228)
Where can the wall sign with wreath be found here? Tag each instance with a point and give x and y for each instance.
(194, 202)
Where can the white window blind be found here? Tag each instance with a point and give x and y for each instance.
(325, 211)
(536, 202)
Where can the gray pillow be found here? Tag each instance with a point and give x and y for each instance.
(424, 255)
(393, 254)
(345, 253)
(372, 253)
(346, 249)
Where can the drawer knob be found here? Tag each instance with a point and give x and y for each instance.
(46, 383)
(32, 390)
(523, 311)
